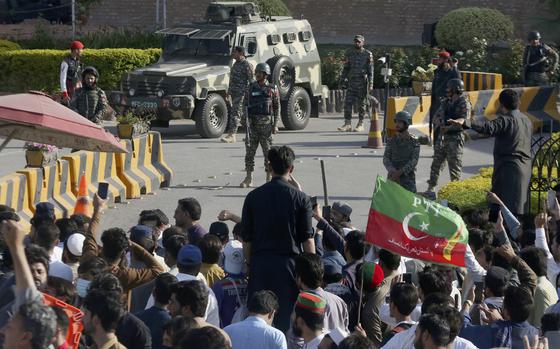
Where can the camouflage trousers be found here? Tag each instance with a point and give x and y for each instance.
(355, 95)
(537, 79)
(449, 148)
(235, 113)
(260, 132)
(408, 182)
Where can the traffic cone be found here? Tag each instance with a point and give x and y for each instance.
(375, 139)
(83, 204)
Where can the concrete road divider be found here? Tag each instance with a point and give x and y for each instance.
(14, 193)
(97, 167)
(135, 168)
(420, 113)
(477, 81)
(158, 160)
(51, 183)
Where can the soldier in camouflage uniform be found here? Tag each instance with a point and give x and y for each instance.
(536, 57)
(357, 77)
(240, 78)
(90, 101)
(449, 144)
(263, 101)
(402, 153)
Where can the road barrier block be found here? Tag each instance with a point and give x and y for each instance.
(477, 81)
(158, 160)
(97, 167)
(13, 193)
(135, 168)
(51, 184)
(538, 103)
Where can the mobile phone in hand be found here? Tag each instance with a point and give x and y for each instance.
(103, 190)
(478, 292)
(494, 212)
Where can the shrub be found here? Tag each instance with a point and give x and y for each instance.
(271, 7)
(21, 70)
(457, 29)
(7, 45)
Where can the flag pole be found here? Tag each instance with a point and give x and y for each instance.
(361, 288)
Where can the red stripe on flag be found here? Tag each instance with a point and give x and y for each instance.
(387, 233)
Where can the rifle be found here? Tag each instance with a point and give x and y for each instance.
(326, 207)
(529, 65)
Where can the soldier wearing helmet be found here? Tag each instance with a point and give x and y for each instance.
(536, 66)
(445, 71)
(90, 101)
(357, 76)
(451, 140)
(402, 153)
(263, 112)
(70, 71)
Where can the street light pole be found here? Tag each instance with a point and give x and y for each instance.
(73, 19)
(386, 72)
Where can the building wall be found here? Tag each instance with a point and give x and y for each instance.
(394, 22)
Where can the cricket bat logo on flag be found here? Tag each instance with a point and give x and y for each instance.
(414, 226)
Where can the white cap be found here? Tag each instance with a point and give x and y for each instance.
(337, 335)
(75, 243)
(61, 270)
(233, 257)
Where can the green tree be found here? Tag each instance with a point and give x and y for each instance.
(271, 7)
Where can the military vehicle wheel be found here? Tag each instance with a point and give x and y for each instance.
(283, 74)
(297, 109)
(211, 116)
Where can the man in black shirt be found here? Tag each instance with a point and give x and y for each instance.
(276, 228)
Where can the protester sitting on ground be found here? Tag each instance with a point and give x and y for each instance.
(402, 301)
(130, 331)
(211, 248)
(256, 330)
(33, 325)
(175, 329)
(115, 245)
(47, 236)
(231, 291)
(158, 315)
(187, 215)
(205, 337)
(72, 252)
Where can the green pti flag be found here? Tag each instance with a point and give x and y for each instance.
(413, 226)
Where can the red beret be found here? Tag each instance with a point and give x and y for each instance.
(444, 54)
(76, 45)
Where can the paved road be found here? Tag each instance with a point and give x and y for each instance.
(203, 166)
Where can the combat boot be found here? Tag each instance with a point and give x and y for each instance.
(230, 138)
(359, 126)
(347, 127)
(268, 176)
(248, 181)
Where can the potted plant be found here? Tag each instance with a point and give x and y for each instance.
(422, 79)
(132, 124)
(39, 155)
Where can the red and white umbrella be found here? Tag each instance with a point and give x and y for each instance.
(35, 117)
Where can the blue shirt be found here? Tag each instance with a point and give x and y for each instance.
(254, 332)
(227, 297)
(334, 257)
(155, 318)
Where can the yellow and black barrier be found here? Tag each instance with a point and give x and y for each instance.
(158, 160)
(538, 103)
(51, 184)
(13, 193)
(97, 167)
(478, 81)
(135, 168)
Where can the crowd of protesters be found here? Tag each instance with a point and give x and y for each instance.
(284, 277)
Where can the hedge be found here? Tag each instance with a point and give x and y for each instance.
(457, 29)
(7, 45)
(22, 70)
(471, 192)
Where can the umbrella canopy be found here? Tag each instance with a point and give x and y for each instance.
(37, 118)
